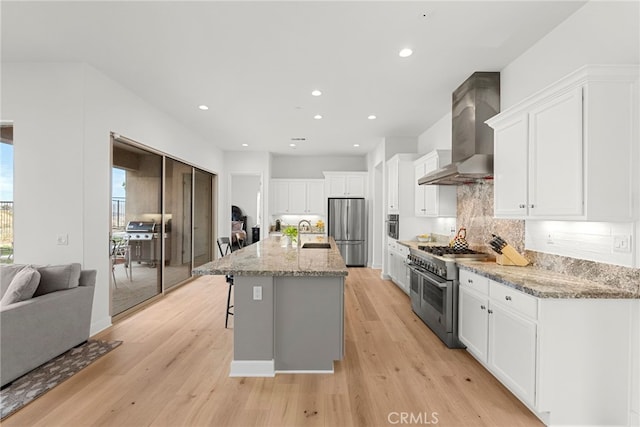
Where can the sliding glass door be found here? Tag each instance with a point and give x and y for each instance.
(178, 214)
(202, 218)
(136, 204)
(180, 236)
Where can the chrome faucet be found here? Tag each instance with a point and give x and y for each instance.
(300, 223)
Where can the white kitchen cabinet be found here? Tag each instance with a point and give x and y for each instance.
(316, 201)
(566, 359)
(397, 263)
(510, 145)
(400, 184)
(512, 350)
(566, 153)
(345, 184)
(499, 336)
(433, 200)
(296, 196)
(473, 327)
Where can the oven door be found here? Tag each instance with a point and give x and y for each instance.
(432, 300)
(392, 228)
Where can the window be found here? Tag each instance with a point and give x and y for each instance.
(6, 193)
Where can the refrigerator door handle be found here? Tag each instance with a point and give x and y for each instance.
(347, 225)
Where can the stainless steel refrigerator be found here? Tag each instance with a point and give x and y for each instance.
(348, 226)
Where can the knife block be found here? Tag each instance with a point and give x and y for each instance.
(511, 257)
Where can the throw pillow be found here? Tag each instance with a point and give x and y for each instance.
(7, 273)
(236, 225)
(58, 278)
(22, 286)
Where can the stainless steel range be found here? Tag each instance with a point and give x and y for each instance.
(434, 288)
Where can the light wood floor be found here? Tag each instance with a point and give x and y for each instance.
(172, 370)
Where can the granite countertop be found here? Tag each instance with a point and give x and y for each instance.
(269, 258)
(543, 283)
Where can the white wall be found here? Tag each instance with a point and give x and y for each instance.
(311, 167)
(63, 113)
(437, 136)
(601, 32)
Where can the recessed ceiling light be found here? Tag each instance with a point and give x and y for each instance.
(316, 92)
(203, 107)
(292, 145)
(405, 52)
(371, 117)
(245, 145)
(356, 145)
(317, 117)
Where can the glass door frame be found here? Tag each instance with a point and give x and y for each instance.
(214, 214)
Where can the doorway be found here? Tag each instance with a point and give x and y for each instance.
(245, 192)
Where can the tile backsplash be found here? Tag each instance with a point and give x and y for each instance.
(475, 213)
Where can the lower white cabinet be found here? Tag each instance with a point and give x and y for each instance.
(512, 350)
(568, 359)
(397, 264)
(502, 338)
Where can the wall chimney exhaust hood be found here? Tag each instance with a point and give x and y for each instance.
(476, 100)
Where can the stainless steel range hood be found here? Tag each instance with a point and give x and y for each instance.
(476, 100)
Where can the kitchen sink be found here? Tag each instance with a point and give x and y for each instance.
(314, 245)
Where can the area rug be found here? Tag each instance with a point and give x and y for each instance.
(47, 376)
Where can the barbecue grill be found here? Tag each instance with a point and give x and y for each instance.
(142, 237)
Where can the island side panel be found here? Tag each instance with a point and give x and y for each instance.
(308, 323)
(252, 320)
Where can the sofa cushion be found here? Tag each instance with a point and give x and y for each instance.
(7, 273)
(57, 278)
(22, 286)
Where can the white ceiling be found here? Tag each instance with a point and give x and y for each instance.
(255, 63)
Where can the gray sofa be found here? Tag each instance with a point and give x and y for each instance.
(55, 319)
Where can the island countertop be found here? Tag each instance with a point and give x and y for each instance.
(269, 258)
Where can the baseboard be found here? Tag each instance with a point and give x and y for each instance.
(315, 371)
(252, 368)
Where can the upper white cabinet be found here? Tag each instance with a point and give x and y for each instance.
(433, 200)
(346, 184)
(566, 153)
(393, 165)
(399, 184)
(295, 196)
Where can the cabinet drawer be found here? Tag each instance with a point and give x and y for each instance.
(402, 250)
(518, 301)
(474, 281)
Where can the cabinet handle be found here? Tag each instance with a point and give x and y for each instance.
(508, 298)
(469, 280)
(523, 206)
(482, 307)
(532, 206)
(490, 311)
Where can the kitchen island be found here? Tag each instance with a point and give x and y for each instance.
(288, 307)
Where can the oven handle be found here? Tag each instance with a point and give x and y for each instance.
(426, 276)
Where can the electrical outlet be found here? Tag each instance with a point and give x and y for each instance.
(257, 293)
(62, 239)
(622, 243)
(549, 240)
